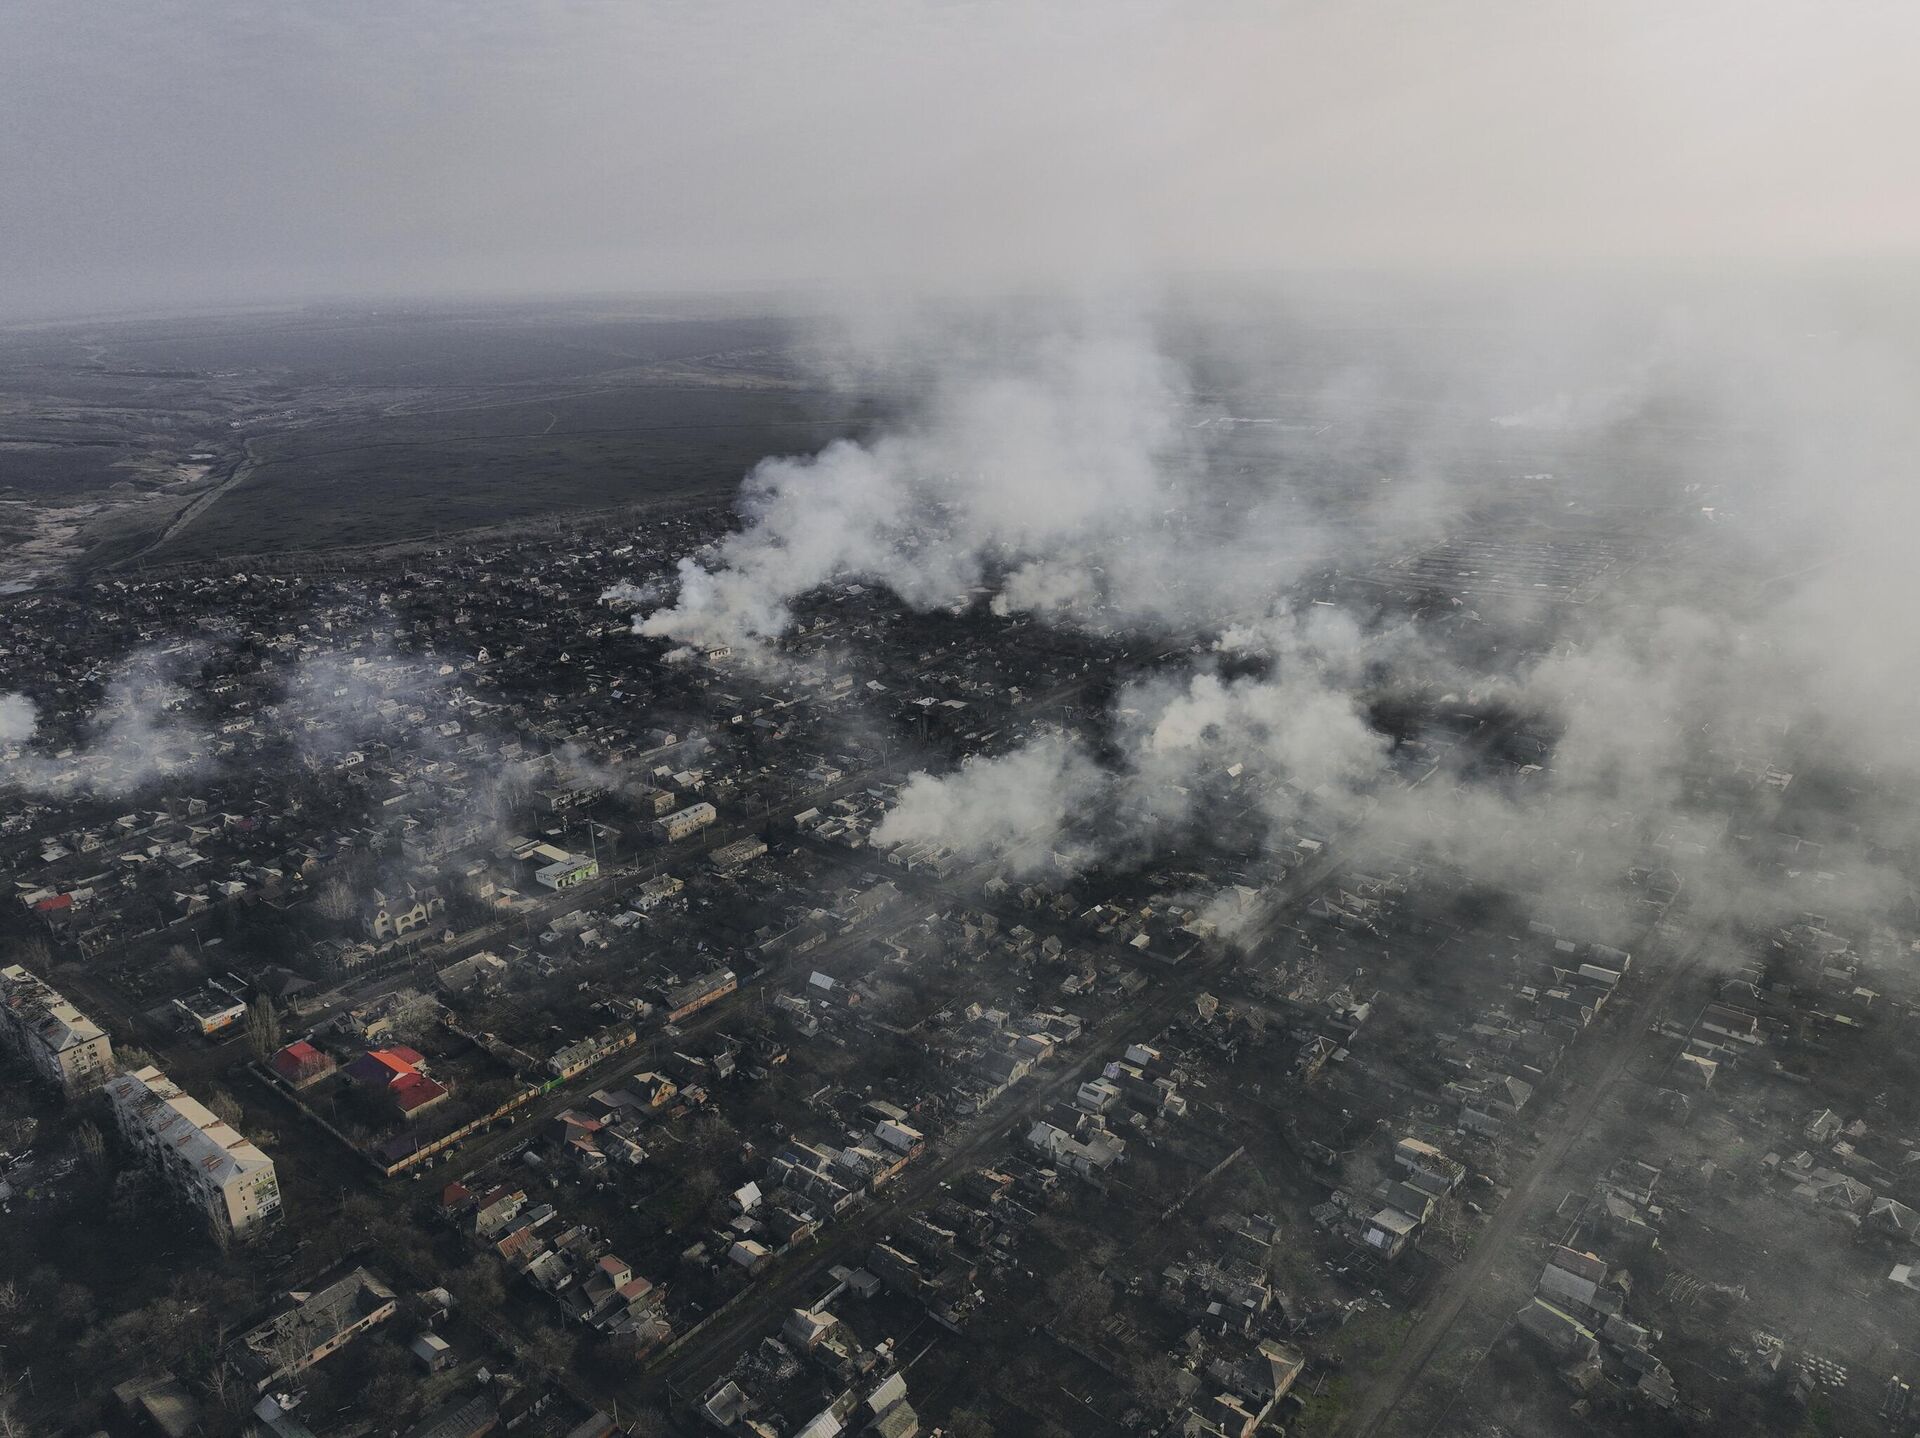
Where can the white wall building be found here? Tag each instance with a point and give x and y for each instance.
(203, 1158)
(682, 822)
(65, 1045)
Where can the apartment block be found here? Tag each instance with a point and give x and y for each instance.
(66, 1046)
(202, 1157)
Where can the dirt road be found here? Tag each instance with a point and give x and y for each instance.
(1620, 1045)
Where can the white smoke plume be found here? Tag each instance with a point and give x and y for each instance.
(634, 595)
(1022, 806)
(134, 736)
(1077, 475)
(1052, 470)
(18, 718)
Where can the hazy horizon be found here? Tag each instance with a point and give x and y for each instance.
(172, 155)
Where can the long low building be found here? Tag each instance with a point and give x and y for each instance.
(682, 822)
(311, 1326)
(66, 1046)
(201, 1156)
(696, 994)
(738, 853)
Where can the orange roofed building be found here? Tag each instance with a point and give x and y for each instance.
(401, 1073)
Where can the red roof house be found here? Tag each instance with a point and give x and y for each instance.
(301, 1064)
(398, 1071)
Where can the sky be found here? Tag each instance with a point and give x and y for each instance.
(156, 153)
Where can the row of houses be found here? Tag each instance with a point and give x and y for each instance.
(816, 1379)
(1577, 1313)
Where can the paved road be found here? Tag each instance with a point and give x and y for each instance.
(195, 507)
(1620, 1044)
(694, 1369)
(712, 1352)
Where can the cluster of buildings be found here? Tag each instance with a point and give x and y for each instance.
(816, 1379)
(203, 1161)
(1577, 1314)
(570, 1264)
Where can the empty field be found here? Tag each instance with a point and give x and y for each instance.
(411, 475)
(195, 438)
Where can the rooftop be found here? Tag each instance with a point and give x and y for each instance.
(58, 1024)
(185, 1125)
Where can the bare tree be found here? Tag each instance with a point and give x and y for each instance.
(184, 962)
(90, 1145)
(647, 1423)
(969, 1423)
(1158, 1382)
(225, 1108)
(336, 901)
(1081, 1296)
(12, 1425)
(35, 952)
(263, 1029)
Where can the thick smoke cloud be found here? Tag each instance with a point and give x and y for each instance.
(1025, 807)
(18, 718)
(1751, 636)
(1048, 471)
(1763, 469)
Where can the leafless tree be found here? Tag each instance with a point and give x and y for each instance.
(969, 1423)
(647, 1423)
(1081, 1296)
(34, 952)
(131, 1057)
(225, 1107)
(336, 901)
(263, 1029)
(184, 962)
(90, 1144)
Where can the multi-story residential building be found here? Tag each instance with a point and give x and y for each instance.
(65, 1045)
(696, 994)
(682, 822)
(202, 1157)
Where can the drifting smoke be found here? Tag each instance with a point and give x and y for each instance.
(18, 718)
(1024, 807)
(1674, 710)
(1233, 914)
(136, 735)
(142, 729)
(635, 595)
(1078, 474)
(333, 701)
(1063, 472)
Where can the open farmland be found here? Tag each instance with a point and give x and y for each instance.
(203, 438)
(411, 475)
